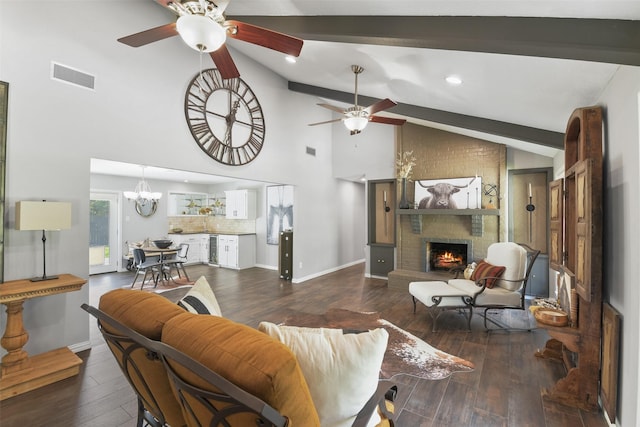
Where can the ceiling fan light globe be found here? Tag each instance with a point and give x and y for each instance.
(356, 123)
(201, 33)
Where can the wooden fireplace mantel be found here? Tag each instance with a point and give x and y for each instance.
(493, 212)
(20, 373)
(477, 216)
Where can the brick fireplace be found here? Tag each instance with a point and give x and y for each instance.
(440, 154)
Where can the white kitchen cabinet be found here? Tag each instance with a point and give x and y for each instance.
(195, 242)
(241, 204)
(204, 248)
(237, 251)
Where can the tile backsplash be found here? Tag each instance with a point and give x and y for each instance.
(211, 224)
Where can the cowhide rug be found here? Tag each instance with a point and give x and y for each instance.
(406, 353)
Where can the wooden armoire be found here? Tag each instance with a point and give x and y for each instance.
(576, 251)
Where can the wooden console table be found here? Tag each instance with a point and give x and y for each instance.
(20, 373)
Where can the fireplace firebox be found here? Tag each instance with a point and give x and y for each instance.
(445, 254)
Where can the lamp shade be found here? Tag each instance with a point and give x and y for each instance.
(200, 32)
(356, 123)
(43, 215)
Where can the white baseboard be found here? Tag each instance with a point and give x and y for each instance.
(322, 273)
(81, 346)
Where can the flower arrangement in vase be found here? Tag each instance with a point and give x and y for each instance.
(405, 163)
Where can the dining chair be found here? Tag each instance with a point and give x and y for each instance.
(177, 262)
(145, 266)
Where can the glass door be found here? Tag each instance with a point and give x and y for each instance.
(103, 222)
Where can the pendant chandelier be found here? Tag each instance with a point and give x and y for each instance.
(142, 193)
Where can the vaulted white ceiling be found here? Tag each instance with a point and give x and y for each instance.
(525, 65)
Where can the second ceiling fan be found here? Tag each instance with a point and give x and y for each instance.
(202, 26)
(356, 117)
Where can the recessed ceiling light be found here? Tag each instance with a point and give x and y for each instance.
(454, 80)
(290, 59)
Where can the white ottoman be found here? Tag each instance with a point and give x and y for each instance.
(439, 296)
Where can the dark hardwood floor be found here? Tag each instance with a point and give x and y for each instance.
(504, 390)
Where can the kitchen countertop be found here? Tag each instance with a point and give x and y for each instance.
(225, 233)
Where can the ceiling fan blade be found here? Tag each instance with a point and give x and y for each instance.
(333, 108)
(265, 38)
(323, 123)
(380, 105)
(387, 120)
(149, 36)
(224, 62)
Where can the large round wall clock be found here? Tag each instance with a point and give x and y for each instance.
(225, 118)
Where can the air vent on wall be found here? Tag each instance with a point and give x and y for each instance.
(311, 151)
(69, 75)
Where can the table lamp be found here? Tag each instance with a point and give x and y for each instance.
(43, 216)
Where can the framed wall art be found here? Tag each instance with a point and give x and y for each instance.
(449, 193)
(279, 211)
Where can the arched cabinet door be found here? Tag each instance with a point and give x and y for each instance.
(584, 215)
(556, 223)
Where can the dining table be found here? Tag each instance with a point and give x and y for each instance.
(161, 253)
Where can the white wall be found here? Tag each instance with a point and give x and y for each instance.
(136, 115)
(518, 159)
(622, 231)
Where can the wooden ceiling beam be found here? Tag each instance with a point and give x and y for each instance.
(494, 127)
(599, 40)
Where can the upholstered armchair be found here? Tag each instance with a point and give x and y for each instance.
(193, 369)
(498, 282)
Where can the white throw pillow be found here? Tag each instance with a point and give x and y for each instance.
(200, 299)
(469, 270)
(341, 370)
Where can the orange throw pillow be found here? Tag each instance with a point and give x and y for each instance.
(489, 271)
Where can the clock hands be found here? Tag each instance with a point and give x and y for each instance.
(230, 119)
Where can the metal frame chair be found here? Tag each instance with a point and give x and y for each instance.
(230, 400)
(532, 255)
(461, 294)
(142, 265)
(144, 361)
(177, 262)
(136, 361)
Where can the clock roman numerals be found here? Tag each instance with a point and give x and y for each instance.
(224, 117)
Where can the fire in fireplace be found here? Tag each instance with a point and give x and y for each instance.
(446, 260)
(444, 255)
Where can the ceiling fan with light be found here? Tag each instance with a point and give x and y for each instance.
(356, 118)
(202, 26)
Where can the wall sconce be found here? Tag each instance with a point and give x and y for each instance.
(530, 208)
(43, 216)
